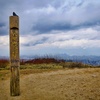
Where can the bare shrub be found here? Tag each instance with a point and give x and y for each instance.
(3, 63)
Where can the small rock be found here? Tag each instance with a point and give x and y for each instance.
(94, 76)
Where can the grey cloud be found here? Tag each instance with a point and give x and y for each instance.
(3, 29)
(42, 28)
(2, 25)
(44, 3)
(80, 3)
(40, 4)
(41, 41)
(3, 32)
(45, 28)
(86, 14)
(68, 15)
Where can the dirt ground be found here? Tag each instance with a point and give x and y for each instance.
(68, 84)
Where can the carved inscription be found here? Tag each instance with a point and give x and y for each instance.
(14, 45)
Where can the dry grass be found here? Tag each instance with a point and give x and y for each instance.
(65, 84)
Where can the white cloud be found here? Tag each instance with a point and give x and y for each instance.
(4, 40)
(77, 43)
(84, 38)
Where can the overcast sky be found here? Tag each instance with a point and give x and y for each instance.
(53, 26)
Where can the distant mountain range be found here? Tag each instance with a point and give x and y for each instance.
(92, 60)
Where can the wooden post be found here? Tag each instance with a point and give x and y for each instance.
(14, 55)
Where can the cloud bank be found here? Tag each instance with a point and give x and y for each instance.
(64, 26)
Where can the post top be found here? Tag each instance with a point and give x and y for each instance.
(14, 16)
(14, 21)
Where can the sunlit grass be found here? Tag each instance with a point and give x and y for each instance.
(41, 66)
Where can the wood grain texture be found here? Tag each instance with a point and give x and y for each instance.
(14, 56)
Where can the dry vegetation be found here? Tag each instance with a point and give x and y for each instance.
(44, 63)
(53, 81)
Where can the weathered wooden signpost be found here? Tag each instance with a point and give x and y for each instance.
(14, 55)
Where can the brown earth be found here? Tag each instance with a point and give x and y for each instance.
(67, 84)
